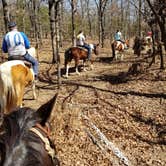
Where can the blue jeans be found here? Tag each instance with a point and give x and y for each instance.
(86, 46)
(89, 50)
(33, 61)
(121, 41)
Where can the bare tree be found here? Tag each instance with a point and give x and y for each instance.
(158, 16)
(101, 6)
(73, 4)
(89, 17)
(139, 18)
(6, 13)
(54, 9)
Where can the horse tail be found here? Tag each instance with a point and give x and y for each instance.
(113, 49)
(68, 56)
(8, 96)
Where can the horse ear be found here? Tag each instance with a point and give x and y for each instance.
(45, 110)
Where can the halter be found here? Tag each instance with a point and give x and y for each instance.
(45, 140)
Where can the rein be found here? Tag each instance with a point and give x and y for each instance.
(45, 140)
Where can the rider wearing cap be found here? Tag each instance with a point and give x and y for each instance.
(15, 44)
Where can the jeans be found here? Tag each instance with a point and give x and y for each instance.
(33, 61)
(86, 46)
(121, 41)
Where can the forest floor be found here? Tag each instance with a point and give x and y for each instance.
(106, 116)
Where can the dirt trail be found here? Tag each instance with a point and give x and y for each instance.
(103, 109)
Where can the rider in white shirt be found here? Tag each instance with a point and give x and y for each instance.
(81, 42)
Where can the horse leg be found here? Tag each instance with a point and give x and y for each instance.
(84, 69)
(77, 72)
(34, 90)
(122, 55)
(116, 55)
(76, 66)
(91, 65)
(67, 70)
(20, 93)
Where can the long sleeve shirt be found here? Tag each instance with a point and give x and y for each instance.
(15, 43)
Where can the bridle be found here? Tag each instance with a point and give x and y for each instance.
(36, 129)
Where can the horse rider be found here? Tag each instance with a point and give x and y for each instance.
(15, 44)
(118, 36)
(81, 43)
(149, 37)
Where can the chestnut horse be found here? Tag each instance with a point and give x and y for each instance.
(24, 137)
(79, 53)
(14, 77)
(118, 48)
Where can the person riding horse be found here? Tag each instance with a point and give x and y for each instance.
(80, 42)
(118, 37)
(15, 44)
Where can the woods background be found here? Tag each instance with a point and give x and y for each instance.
(98, 18)
(128, 107)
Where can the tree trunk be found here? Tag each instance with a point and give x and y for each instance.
(73, 10)
(57, 30)
(139, 18)
(6, 14)
(89, 18)
(54, 11)
(36, 25)
(101, 5)
(160, 20)
(52, 27)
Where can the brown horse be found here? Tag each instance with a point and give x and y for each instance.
(79, 53)
(118, 48)
(24, 137)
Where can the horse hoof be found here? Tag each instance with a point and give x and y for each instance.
(78, 73)
(34, 97)
(66, 76)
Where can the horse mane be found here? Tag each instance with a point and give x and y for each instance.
(6, 89)
(19, 121)
(11, 85)
(15, 132)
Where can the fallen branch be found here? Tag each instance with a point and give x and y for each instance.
(107, 143)
(97, 142)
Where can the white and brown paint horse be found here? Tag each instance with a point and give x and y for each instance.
(79, 53)
(14, 77)
(118, 49)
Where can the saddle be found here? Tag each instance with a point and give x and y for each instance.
(18, 57)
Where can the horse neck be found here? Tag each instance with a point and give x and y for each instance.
(16, 136)
(127, 43)
(95, 50)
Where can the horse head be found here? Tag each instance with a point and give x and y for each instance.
(127, 43)
(95, 48)
(24, 139)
